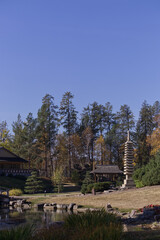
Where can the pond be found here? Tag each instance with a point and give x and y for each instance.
(9, 219)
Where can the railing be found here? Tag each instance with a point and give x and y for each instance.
(14, 172)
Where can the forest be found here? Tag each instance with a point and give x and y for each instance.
(58, 139)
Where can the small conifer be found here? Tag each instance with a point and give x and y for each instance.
(88, 180)
(33, 184)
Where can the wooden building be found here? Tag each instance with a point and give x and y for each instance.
(10, 163)
(106, 173)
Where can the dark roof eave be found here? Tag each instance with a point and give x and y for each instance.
(97, 172)
(15, 160)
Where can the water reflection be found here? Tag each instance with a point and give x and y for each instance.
(39, 218)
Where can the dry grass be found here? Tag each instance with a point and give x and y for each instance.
(127, 199)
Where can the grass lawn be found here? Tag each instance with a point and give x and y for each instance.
(127, 199)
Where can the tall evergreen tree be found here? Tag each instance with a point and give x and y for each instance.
(68, 116)
(87, 139)
(17, 144)
(109, 120)
(93, 117)
(29, 132)
(46, 132)
(125, 120)
(145, 126)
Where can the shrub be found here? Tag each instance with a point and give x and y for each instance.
(98, 187)
(101, 186)
(88, 180)
(33, 184)
(149, 174)
(15, 192)
(139, 184)
(58, 179)
(90, 187)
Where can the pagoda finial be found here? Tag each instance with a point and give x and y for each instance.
(128, 136)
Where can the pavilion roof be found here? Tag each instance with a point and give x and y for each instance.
(8, 156)
(106, 169)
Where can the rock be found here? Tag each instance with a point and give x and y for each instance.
(54, 206)
(39, 206)
(155, 226)
(26, 206)
(108, 205)
(19, 203)
(75, 207)
(61, 206)
(71, 205)
(133, 213)
(157, 217)
(48, 206)
(12, 203)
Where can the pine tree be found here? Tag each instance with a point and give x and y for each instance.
(93, 117)
(87, 139)
(125, 119)
(46, 132)
(33, 184)
(68, 121)
(108, 136)
(145, 126)
(124, 122)
(87, 180)
(61, 151)
(29, 132)
(17, 144)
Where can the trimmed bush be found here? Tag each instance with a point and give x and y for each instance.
(90, 187)
(88, 180)
(15, 192)
(34, 184)
(98, 187)
(101, 186)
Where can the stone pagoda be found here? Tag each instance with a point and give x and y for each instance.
(128, 164)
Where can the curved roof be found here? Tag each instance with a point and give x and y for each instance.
(106, 169)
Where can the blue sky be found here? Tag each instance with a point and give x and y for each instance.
(106, 50)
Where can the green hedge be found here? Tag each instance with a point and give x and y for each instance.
(98, 187)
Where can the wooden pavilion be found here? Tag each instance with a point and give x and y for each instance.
(106, 172)
(10, 163)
